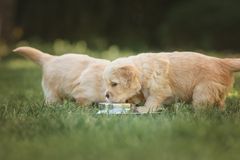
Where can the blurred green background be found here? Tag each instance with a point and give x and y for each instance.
(139, 25)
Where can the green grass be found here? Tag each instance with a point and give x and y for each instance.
(31, 130)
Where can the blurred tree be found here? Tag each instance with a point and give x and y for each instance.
(120, 22)
(7, 15)
(202, 24)
(175, 24)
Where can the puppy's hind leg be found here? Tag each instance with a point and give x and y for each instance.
(209, 94)
(50, 96)
(52, 99)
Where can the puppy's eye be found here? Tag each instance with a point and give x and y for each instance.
(113, 84)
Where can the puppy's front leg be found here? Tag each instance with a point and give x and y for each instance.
(152, 104)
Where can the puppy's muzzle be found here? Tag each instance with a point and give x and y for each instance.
(107, 95)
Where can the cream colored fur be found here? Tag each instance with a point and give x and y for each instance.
(166, 77)
(74, 76)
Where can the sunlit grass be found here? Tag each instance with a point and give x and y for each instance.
(60, 47)
(31, 130)
(20, 64)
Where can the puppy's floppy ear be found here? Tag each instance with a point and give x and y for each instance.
(129, 73)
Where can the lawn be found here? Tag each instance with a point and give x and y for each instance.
(31, 130)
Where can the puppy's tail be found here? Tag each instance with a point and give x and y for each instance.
(33, 54)
(233, 64)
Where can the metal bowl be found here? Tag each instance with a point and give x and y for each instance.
(114, 108)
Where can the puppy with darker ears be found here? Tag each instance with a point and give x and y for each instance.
(165, 77)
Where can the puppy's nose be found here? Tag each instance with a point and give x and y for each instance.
(107, 95)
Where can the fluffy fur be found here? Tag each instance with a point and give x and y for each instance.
(74, 76)
(166, 77)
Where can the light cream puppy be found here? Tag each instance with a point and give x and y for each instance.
(74, 76)
(165, 77)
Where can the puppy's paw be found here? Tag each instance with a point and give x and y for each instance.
(142, 110)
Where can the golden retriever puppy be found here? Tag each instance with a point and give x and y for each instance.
(166, 77)
(74, 76)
